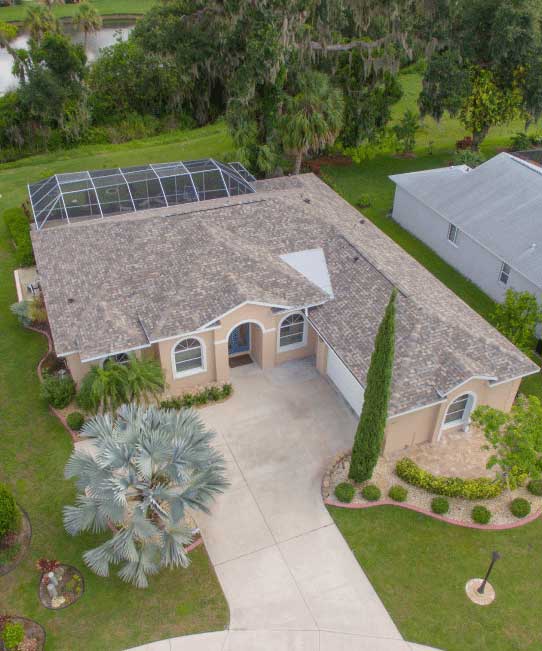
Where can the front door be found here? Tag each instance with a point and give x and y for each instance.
(239, 341)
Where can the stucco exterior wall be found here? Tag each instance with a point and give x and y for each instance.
(176, 386)
(425, 425)
(77, 368)
(468, 257)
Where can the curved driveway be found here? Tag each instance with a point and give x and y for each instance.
(290, 579)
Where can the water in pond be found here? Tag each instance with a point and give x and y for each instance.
(106, 36)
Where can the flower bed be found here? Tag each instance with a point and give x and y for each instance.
(69, 587)
(460, 509)
(34, 633)
(210, 394)
(13, 547)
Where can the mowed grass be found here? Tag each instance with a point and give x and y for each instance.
(419, 567)
(104, 7)
(34, 449)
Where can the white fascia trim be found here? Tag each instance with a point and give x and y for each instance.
(410, 411)
(493, 253)
(116, 352)
(516, 377)
(72, 352)
(184, 335)
(489, 378)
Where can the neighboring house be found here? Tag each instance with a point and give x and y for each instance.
(486, 222)
(280, 270)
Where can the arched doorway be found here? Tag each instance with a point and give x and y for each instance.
(245, 344)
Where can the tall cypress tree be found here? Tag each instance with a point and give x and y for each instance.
(372, 422)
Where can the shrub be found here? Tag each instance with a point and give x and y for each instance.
(440, 505)
(9, 513)
(398, 493)
(371, 492)
(84, 398)
(364, 201)
(481, 514)
(521, 141)
(13, 635)
(19, 229)
(535, 487)
(345, 492)
(187, 400)
(58, 391)
(76, 420)
(481, 488)
(468, 157)
(46, 565)
(520, 507)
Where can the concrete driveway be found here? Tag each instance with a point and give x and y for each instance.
(290, 579)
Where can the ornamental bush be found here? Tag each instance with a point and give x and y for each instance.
(481, 514)
(12, 635)
(535, 487)
(520, 507)
(482, 488)
(9, 513)
(440, 505)
(75, 420)
(398, 493)
(19, 229)
(371, 492)
(58, 391)
(187, 400)
(345, 492)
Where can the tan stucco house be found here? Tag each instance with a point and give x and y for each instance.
(278, 270)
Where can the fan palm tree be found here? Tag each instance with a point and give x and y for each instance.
(313, 117)
(106, 388)
(150, 465)
(87, 20)
(39, 21)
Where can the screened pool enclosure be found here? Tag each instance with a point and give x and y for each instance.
(100, 193)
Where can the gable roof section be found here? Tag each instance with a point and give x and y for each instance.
(160, 274)
(498, 204)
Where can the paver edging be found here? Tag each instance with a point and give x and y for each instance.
(411, 507)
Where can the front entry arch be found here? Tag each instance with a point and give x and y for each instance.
(245, 343)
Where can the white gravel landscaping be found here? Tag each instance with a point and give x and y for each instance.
(460, 509)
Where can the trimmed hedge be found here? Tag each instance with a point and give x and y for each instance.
(187, 400)
(19, 229)
(58, 391)
(75, 420)
(481, 488)
(440, 505)
(520, 507)
(9, 513)
(345, 492)
(535, 487)
(371, 493)
(398, 493)
(481, 514)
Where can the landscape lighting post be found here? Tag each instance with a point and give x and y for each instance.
(494, 558)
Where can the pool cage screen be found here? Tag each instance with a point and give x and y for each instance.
(99, 193)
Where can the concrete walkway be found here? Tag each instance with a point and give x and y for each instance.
(290, 579)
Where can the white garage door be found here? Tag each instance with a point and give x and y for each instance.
(345, 382)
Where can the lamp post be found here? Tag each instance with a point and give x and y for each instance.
(494, 558)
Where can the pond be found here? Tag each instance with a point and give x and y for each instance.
(110, 31)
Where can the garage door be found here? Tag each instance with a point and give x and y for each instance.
(345, 382)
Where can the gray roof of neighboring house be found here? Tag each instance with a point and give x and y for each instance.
(160, 273)
(498, 204)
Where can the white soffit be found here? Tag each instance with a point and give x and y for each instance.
(311, 264)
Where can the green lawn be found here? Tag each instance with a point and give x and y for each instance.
(419, 567)
(105, 7)
(34, 449)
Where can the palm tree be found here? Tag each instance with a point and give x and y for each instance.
(39, 21)
(149, 466)
(313, 117)
(113, 384)
(87, 20)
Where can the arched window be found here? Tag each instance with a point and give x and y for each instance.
(188, 357)
(121, 358)
(292, 331)
(459, 410)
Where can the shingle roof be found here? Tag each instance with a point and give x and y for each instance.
(164, 272)
(499, 204)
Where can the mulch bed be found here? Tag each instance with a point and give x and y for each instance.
(71, 587)
(316, 164)
(20, 540)
(32, 630)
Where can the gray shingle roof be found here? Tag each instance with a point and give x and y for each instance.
(164, 272)
(499, 204)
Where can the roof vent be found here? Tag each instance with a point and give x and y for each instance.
(362, 221)
(307, 200)
(355, 258)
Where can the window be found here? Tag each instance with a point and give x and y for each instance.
(504, 274)
(188, 357)
(459, 410)
(292, 331)
(452, 234)
(121, 358)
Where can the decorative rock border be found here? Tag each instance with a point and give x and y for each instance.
(327, 496)
(42, 590)
(25, 545)
(35, 627)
